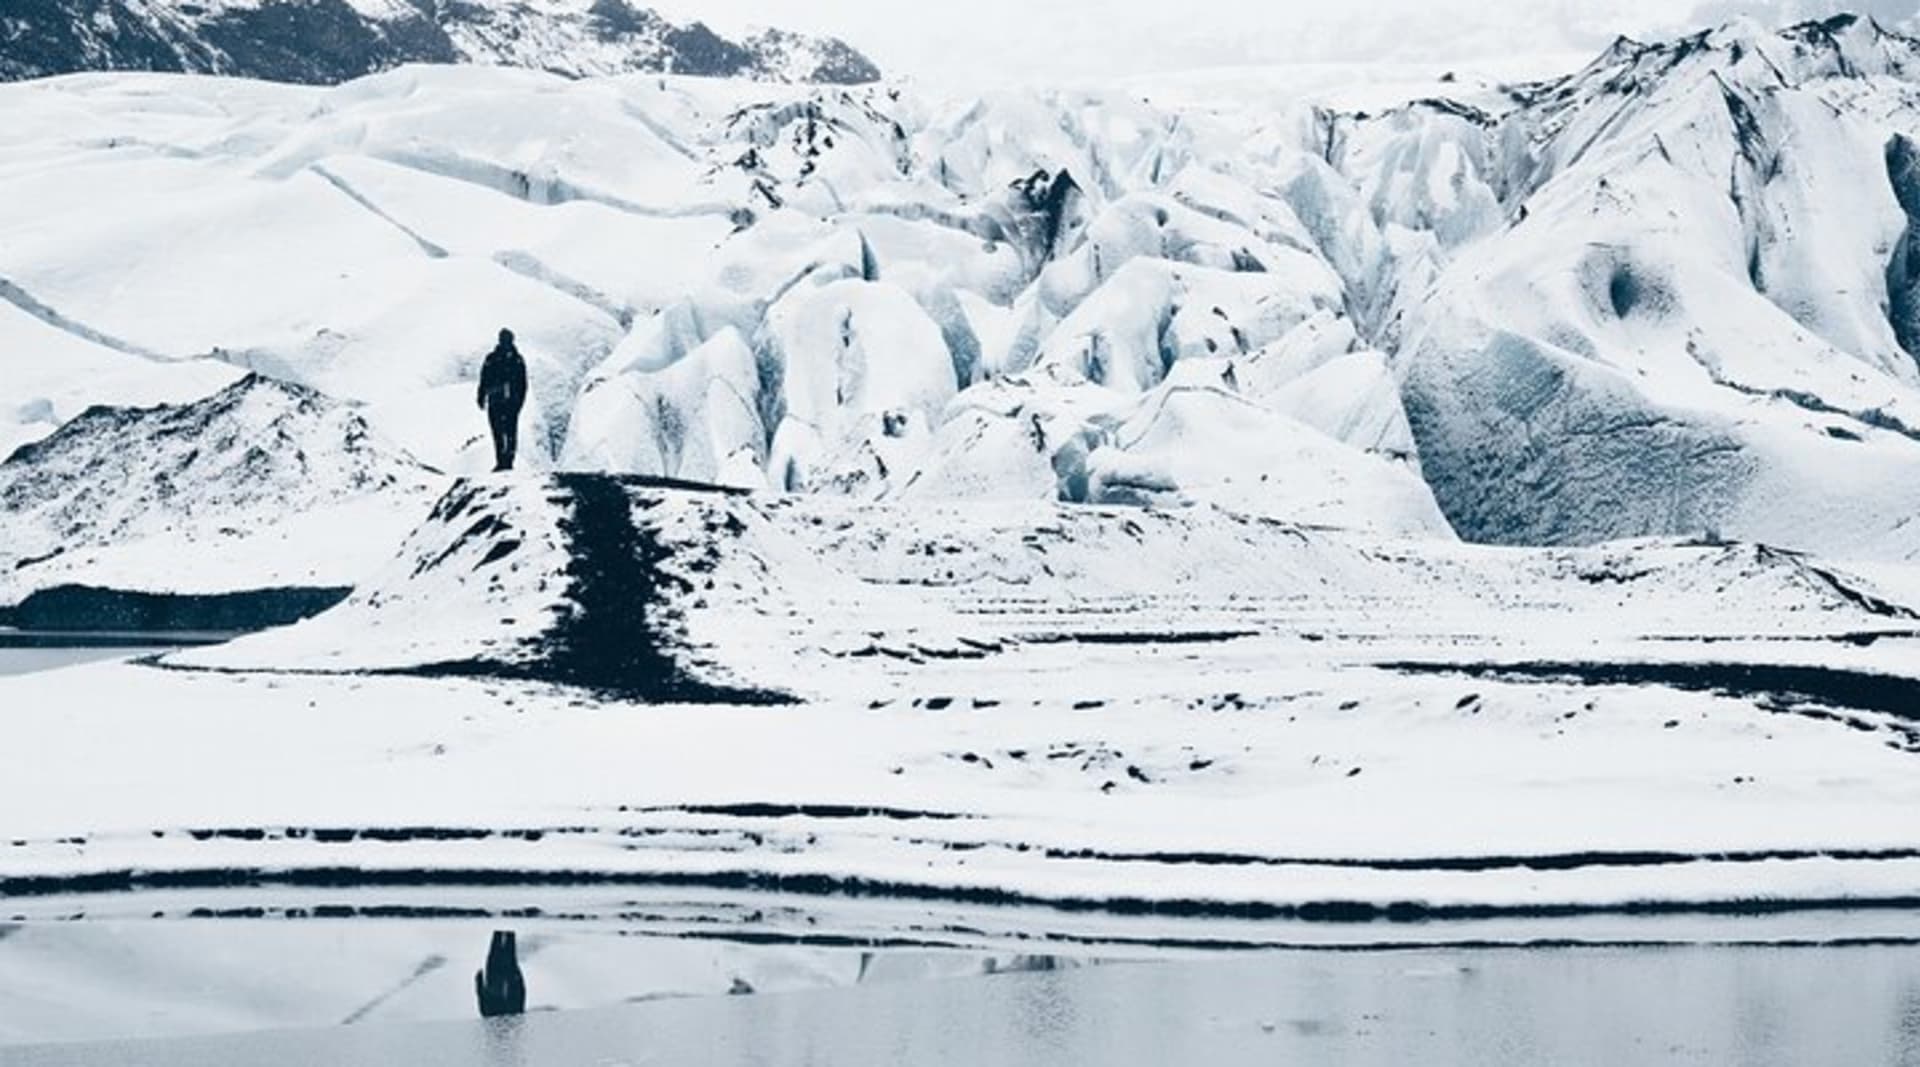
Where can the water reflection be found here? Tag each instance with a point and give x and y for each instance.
(1757, 1011)
(848, 1005)
(1906, 1043)
(499, 986)
(34, 660)
(503, 1042)
(1046, 1013)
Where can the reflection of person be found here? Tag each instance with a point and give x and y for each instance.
(499, 985)
(503, 389)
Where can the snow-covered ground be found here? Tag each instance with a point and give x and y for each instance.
(584, 679)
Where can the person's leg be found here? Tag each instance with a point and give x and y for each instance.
(499, 424)
(512, 439)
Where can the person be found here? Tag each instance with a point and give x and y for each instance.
(499, 986)
(503, 389)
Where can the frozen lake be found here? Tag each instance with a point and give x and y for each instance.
(1561, 1005)
(30, 660)
(28, 651)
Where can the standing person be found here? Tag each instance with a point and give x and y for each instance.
(503, 389)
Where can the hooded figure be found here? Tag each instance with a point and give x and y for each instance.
(503, 389)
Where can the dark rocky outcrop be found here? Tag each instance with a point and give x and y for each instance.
(85, 608)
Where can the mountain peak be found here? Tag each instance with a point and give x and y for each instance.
(1843, 45)
(331, 41)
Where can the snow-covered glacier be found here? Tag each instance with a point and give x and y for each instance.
(1666, 295)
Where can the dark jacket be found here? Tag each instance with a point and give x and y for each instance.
(503, 379)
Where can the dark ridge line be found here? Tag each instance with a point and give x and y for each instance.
(1875, 418)
(1329, 911)
(1567, 861)
(955, 941)
(1857, 638)
(1785, 685)
(648, 481)
(785, 811)
(1237, 944)
(326, 835)
(967, 939)
(1543, 862)
(1097, 637)
(1865, 601)
(809, 940)
(337, 835)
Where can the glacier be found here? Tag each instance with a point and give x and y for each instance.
(1663, 296)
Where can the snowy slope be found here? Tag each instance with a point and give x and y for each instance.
(1675, 297)
(260, 485)
(330, 41)
(721, 587)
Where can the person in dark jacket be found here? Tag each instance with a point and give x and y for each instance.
(500, 986)
(503, 389)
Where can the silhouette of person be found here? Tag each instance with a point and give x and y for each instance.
(499, 986)
(503, 389)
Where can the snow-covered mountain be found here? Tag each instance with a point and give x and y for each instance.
(1667, 295)
(330, 41)
(260, 485)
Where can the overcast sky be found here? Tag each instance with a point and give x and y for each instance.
(1043, 39)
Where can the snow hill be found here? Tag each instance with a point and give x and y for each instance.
(670, 592)
(260, 485)
(1665, 296)
(331, 41)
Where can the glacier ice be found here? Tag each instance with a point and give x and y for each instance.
(1668, 294)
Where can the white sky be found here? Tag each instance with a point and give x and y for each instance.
(1042, 39)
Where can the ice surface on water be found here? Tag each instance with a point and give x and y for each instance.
(1694, 1005)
